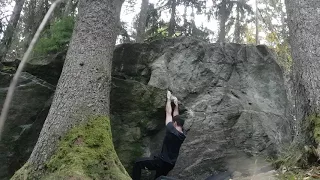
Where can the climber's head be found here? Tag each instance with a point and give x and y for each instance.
(178, 121)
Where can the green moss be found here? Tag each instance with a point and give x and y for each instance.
(87, 152)
(144, 107)
(130, 154)
(55, 39)
(290, 157)
(8, 69)
(301, 155)
(314, 122)
(291, 175)
(127, 143)
(299, 174)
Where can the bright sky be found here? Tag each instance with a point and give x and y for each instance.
(128, 15)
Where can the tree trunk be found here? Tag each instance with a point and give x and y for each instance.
(193, 27)
(142, 21)
(304, 22)
(8, 34)
(257, 23)
(83, 88)
(67, 8)
(37, 12)
(28, 20)
(184, 15)
(172, 23)
(223, 20)
(185, 21)
(283, 21)
(237, 26)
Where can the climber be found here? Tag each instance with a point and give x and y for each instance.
(173, 139)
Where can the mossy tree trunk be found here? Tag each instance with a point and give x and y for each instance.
(304, 23)
(84, 86)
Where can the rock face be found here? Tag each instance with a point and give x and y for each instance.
(234, 95)
(233, 98)
(136, 112)
(28, 110)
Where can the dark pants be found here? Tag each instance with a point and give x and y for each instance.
(162, 168)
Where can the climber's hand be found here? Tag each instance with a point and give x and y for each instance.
(168, 95)
(168, 108)
(175, 100)
(176, 108)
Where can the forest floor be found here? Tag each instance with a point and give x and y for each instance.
(300, 174)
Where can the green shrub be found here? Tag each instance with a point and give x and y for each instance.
(56, 38)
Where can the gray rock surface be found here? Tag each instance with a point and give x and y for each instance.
(136, 112)
(233, 98)
(26, 115)
(234, 94)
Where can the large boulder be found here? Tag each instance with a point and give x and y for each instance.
(28, 110)
(48, 70)
(233, 98)
(234, 94)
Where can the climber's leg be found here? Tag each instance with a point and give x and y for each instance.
(164, 169)
(144, 163)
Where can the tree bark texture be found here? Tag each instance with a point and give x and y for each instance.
(9, 32)
(172, 23)
(142, 21)
(304, 26)
(223, 20)
(84, 86)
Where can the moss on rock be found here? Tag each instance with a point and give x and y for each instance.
(8, 69)
(85, 152)
(314, 121)
(138, 111)
(298, 155)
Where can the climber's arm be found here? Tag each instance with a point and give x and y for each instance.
(168, 108)
(176, 108)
